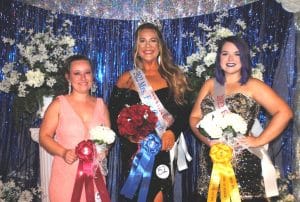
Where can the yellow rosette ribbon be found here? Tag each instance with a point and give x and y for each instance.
(222, 175)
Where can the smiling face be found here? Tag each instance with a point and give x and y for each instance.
(80, 76)
(148, 45)
(230, 60)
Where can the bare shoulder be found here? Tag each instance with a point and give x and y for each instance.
(208, 85)
(100, 100)
(210, 82)
(260, 91)
(206, 89)
(54, 106)
(124, 80)
(254, 84)
(50, 119)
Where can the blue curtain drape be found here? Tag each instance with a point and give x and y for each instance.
(109, 44)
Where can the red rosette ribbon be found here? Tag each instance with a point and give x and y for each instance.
(87, 174)
(136, 122)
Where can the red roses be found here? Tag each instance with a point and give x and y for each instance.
(136, 122)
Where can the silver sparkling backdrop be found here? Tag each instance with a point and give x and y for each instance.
(133, 9)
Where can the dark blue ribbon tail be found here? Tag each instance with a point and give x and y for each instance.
(141, 169)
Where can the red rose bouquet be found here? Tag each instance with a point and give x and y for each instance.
(136, 122)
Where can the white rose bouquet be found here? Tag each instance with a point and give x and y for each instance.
(223, 126)
(102, 137)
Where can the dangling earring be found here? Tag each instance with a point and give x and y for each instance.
(69, 88)
(159, 60)
(93, 88)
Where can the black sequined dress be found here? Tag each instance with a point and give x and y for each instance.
(121, 97)
(247, 166)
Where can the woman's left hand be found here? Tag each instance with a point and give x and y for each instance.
(249, 141)
(168, 140)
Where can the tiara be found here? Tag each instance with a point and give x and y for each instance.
(147, 18)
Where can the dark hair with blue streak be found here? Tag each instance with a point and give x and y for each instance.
(244, 56)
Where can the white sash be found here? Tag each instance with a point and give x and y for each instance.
(268, 170)
(148, 97)
(165, 119)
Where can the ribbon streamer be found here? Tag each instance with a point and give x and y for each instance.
(222, 175)
(179, 151)
(141, 169)
(268, 169)
(86, 153)
(99, 182)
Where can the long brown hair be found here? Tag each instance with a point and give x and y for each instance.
(169, 71)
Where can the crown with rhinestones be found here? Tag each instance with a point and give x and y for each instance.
(147, 18)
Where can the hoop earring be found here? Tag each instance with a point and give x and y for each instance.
(159, 60)
(69, 88)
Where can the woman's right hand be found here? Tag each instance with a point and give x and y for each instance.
(210, 142)
(70, 156)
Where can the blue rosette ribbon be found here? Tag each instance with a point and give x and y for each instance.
(141, 169)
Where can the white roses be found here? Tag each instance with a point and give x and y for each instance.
(102, 135)
(215, 124)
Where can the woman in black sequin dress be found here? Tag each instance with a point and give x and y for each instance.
(243, 95)
(169, 84)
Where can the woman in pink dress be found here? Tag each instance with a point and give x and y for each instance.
(67, 122)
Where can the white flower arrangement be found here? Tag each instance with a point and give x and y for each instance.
(200, 65)
(102, 135)
(217, 124)
(38, 71)
(11, 191)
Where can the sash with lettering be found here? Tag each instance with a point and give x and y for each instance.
(148, 97)
(268, 170)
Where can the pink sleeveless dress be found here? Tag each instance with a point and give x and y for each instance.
(70, 131)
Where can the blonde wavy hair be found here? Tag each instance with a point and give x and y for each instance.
(169, 71)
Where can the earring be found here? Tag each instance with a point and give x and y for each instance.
(69, 88)
(93, 88)
(159, 60)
